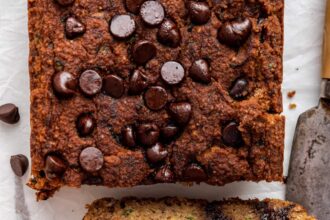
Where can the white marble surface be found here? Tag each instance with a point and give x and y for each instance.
(303, 38)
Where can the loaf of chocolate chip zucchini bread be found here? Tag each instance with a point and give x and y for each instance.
(135, 92)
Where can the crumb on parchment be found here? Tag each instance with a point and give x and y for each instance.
(291, 94)
(292, 106)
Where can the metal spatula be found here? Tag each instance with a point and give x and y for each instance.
(308, 182)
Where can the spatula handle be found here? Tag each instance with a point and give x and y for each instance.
(326, 44)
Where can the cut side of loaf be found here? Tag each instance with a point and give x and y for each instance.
(185, 209)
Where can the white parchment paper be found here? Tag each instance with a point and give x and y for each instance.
(302, 58)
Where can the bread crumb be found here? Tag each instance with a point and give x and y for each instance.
(291, 94)
(292, 106)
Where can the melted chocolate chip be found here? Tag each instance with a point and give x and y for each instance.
(194, 172)
(85, 125)
(199, 71)
(90, 82)
(9, 113)
(148, 134)
(122, 26)
(128, 137)
(169, 34)
(138, 83)
(133, 6)
(180, 112)
(19, 164)
(239, 90)
(172, 72)
(231, 135)
(74, 28)
(235, 33)
(169, 132)
(64, 84)
(156, 153)
(91, 159)
(152, 13)
(155, 98)
(65, 2)
(113, 86)
(54, 167)
(164, 175)
(199, 12)
(143, 51)
(214, 212)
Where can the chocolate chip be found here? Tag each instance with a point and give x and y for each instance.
(155, 98)
(180, 112)
(19, 164)
(133, 6)
(169, 34)
(90, 82)
(9, 113)
(156, 153)
(235, 33)
(65, 2)
(143, 51)
(169, 132)
(122, 26)
(231, 135)
(54, 167)
(64, 84)
(91, 159)
(194, 172)
(239, 89)
(138, 83)
(74, 28)
(148, 134)
(172, 72)
(152, 13)
(113, 86)
(199, 12)
(199, 71)
(85, 124)
(165, 175)
(128, 137)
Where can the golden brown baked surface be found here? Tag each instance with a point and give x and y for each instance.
(110, 107)
(184, 209)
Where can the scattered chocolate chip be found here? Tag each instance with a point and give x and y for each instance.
(64, 84)
(194, 172)
(128, 137)
(148, 134)
(54, 167)
(199, 12)
(152, 13)
(74, 28)
(91, 159)
(231, 135)
(19, 164)
(113, 86)
(137, 83)
(90, 82)
(180, 112)
(65, 2)
(235, 33)
(165, 175)
(199, 71)
(169, 34)
(172, 72)
(133, 6)
(9, 113)
(155, 98)
(169, 132)
(143, 51)
(239, 90)
(122, 26)
(85, 124)
(156, 153)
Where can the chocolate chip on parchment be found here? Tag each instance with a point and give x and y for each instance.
(148, 134)
(156, 153)
(199, 71)
(231, 135)
(85, 124)
(122, 26)
(169, 34)
(90, 82)
(19, 164)
(54, 167)
(155, 98)
(64, 84)
(152, 13)
(91, 159)
(143, 51)
(172, 72)
(74, 28)
(199, 12)
(9, 113)
(113, 86)
(180, 112)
